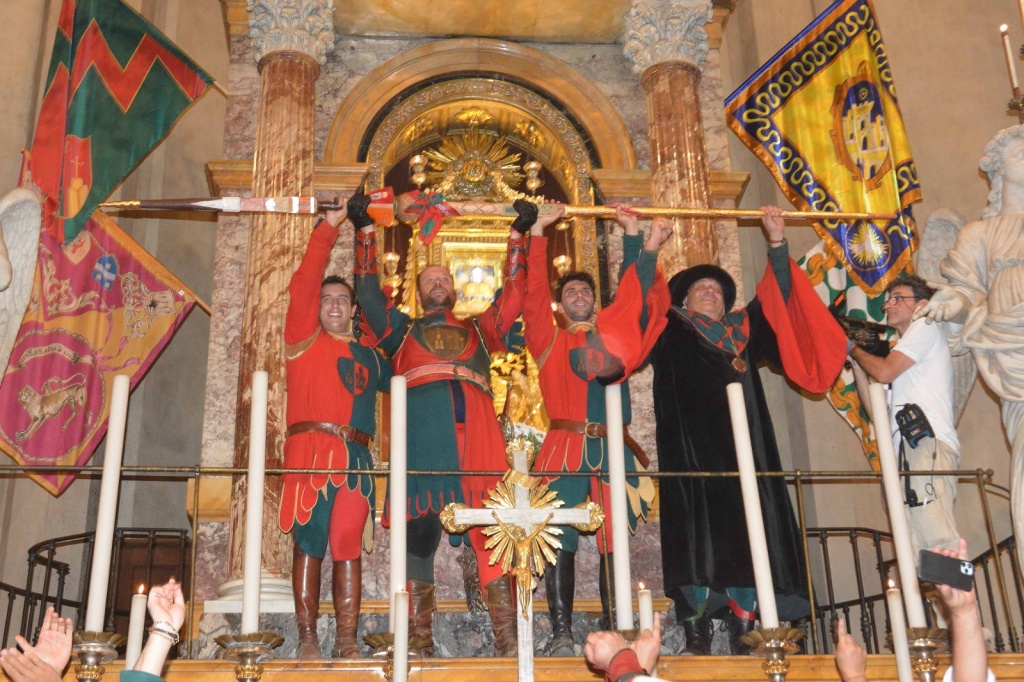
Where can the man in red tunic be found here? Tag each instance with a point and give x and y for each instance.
(332, 387)
(575, 366)
(453, 427)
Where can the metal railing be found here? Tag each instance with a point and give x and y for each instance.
(870, 549)
(46, 580)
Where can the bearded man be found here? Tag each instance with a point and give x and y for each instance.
(453, 427)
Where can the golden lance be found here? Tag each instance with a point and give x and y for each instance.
(406, 210)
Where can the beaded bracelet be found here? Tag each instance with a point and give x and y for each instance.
(171, 636)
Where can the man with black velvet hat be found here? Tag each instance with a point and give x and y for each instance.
(705, 346)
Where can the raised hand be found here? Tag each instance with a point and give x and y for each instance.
(661, 230)
(55, 638)
(946, 304)
(625, 217)
(167, 603)
(338, 215)
(851, 659)
(774, 225)
(648, 646)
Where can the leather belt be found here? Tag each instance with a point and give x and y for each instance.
(595, 430)
(446, 371)
(342, 431)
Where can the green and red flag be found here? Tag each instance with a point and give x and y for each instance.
(115, 88)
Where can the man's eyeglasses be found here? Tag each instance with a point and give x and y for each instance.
(896, 299)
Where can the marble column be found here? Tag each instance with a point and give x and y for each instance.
(291, 40)
(667, 42)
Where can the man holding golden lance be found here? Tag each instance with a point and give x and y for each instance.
(705, 346)
(576, 363)
(446, 362)
(332, 387)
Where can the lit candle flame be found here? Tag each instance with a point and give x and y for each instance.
(641, 585)
(892, 583)
(1004, 28)
(142, 589)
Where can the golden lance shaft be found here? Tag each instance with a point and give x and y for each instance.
(475, 209)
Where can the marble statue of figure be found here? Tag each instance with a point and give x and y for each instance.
(20, 219)
(985, 294)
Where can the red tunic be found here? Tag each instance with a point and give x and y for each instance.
(316, 391)
(618, 335)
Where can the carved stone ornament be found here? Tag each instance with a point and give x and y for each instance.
(305, 26)
(666, 30)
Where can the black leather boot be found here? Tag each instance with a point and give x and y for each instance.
(606, 584)
(699, 632)
(737, 628)
(560, 582)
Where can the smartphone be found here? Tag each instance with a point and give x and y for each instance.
(944, 570)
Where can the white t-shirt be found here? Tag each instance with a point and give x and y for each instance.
(928, 383)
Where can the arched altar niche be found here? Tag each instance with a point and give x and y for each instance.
(504, 105)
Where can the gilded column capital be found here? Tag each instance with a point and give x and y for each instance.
(304, 26)
(666, 30)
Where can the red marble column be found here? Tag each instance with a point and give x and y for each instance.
(679, 166)
(283, 166)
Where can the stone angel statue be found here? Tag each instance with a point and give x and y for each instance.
(984, 293)
(20, 220)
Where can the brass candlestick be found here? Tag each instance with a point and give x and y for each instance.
(773, 644)
(924, 643)
(383, 645)
(93, 650)
(249, 650)
(1017, 104)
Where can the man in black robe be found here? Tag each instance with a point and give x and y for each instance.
(705, 550)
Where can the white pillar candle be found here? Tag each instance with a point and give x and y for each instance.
(254, 504)
(136, 625)
(620, 521)
(401, 631)
(752, 507)
(898, 622)
(1020, 4)
(106, 518)
(645, 607)
(1004, 29)
(891, 482)
(397, 496)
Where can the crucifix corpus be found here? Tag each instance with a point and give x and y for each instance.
(521, 516)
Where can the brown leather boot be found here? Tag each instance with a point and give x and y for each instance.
(306, 588)
(348, 586)
(501, 603)
(421, 613)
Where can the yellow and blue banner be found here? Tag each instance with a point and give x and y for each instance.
(823, 116)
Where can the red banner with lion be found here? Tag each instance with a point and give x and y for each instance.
(101, 306)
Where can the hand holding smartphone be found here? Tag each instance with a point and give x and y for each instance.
(944, 570)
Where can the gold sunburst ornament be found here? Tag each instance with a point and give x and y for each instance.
(474, 164)
(867, 245)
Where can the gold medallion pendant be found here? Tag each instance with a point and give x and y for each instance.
(739, 364)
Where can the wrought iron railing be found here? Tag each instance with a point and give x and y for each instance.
(1001, 601)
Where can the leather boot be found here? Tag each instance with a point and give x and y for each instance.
(560, 582)
(421, 613)
(606, 585)
(502, 605)
(699, 632)
(306, 588)
(737, 628)
(348, 585)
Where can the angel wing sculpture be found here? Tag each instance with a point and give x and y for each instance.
(20, 219)
(940, 232)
